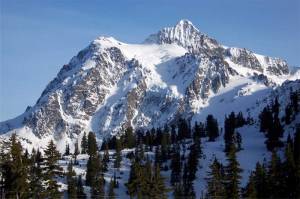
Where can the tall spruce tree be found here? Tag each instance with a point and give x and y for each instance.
(118, 155)
(233, 176)
(215, 181)
(52, 170)
(84, 144)
(36, 177)
(212, 129)
(175, 166)
(80, 190)
(14, 171)
(71, 181)
(92, 147)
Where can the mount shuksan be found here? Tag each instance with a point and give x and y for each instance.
(176, 72)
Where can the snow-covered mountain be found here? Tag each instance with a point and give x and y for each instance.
(176, 72)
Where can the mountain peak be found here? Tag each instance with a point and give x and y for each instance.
(183, 33)
(185, 23)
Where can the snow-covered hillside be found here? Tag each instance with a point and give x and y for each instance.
(177, 72)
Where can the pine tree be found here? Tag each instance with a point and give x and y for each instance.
(266, 119)
(129, 139)
(80, 190)
(52, 170)
(193, 161)
(95, 178)
(93, 167)
(158, 185)
(105, 158)
(14, 171)
(71, 181)
(133, 184)
(84, 144)
(212, 128)
(229, 127)
(118, 155)
(233, 176)
(67, 152)
(274, 133)
(188, 188)
(274, 175)
(176, 166)
(250, 190)
(261, 181)
(76, 153)
(215, 181)
(290, 174)
(36, 177)
(92, 147)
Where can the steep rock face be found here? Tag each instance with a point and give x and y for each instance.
(185, 34)
(80, 87)
(177, 72)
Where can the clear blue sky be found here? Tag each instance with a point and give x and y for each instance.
(38, 37)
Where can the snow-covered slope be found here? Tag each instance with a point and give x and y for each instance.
(177, 72)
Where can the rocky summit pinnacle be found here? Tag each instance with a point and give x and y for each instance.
(176, 72)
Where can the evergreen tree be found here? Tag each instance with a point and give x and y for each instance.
(67, 152)
(52, 170)
(261, 181)
(250, 190)
(36, 177)
(76, 152)
(84, 144)
(188, 188)
(118, 155)
(129, 139)
(291, 179)
(233, 176)
(274, 133)
(176, 167)
(71, 181)
(266, 119)
(94, 177)
(14, 171)
(92, 147)
(80, 190)
(274, 175)
(212, 128)
(94, 166)
(215, 181)
(229, 127)
(183, 129)
(158, 187)
(105, 158)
